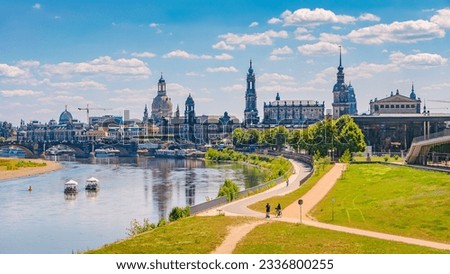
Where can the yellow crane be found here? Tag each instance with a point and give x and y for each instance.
(87, 108)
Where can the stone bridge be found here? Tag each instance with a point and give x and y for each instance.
(81, 149)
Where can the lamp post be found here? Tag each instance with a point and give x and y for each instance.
(300, 203)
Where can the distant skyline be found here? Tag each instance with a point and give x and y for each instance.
(110, 54)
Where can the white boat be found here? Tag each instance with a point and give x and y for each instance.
(92, 184)
(106, 152)
(71, 187)
(170, 153)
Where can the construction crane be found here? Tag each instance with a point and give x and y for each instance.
(87, 108)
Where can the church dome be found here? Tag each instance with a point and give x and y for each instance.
(65, 117)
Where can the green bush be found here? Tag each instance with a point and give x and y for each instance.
(138, 228)
(178, 213)
(346, 157)
(229, 190)
(386, 158)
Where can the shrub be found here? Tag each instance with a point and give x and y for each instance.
(346, 157)
(386, 158)
(228, 189)
(138, 228)
(178, 213)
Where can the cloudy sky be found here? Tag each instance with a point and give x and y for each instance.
(110, 54)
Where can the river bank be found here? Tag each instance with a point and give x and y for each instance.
(29, 171)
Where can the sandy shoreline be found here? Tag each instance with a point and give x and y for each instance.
(30, 171)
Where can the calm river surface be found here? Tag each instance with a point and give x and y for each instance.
(46, 221)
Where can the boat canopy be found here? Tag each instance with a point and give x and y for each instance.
(71, 183)
(92, 180)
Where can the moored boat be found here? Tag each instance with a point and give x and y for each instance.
(92, 184)
(71, 187)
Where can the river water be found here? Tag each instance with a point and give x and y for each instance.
(47, 221)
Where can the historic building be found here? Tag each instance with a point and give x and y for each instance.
(344, 98)
(396, 104)
(162, 104)
(251, 110)
(292, 112)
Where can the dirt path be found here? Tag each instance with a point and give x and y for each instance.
(235, 234)
(315, 195)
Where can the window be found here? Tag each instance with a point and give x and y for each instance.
(402, 106)
(381, 106)
(397, 106)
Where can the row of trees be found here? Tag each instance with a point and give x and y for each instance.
(325, 137)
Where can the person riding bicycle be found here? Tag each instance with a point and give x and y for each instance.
(278, 210)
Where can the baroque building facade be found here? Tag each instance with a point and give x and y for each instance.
(292, 112)
(396, 104)
(344, 98)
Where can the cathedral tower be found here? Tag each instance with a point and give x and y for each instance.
(344, 98)
(251, 111)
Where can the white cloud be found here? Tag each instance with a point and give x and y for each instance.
(102, 65)
(153, 25)
(84, 84)
(11, 71)
(368, 17)
(223, 56)
(306, 16)
(282, 51)
(331, 38)
(400, 32)
(37, 6)
(144, 54)
(274, 21)
(303, 34)
(186, 55)
(253, 24)
(442, 18)
(28, 63)
(275, 77)
(236, 87)
(194, 74)
(223, 46)
(222, 69)
(264, 38)
(419, 60)
(320, 48)
(63, 99)
(19, 92)
(178, 90)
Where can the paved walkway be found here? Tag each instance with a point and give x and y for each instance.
(291, 213)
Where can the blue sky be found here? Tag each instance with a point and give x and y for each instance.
(110, 54)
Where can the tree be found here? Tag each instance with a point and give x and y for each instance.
(228, 189)
(349, 135)
(238, 137)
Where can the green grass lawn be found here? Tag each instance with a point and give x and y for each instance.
(392, 199)
(201, 235)
(293, 196)
(193, 235)
(15, 164)
(377, 159)
(286, 238)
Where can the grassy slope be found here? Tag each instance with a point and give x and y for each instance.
(286, 238)
(390, 199)
(193, 235)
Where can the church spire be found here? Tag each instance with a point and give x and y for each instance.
(340, 56)
(412, 95)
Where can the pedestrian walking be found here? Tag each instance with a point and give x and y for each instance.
(267, 210)
(287, 182)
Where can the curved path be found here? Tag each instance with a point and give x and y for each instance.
(291, 213)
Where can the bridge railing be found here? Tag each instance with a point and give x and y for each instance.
(445, 132)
